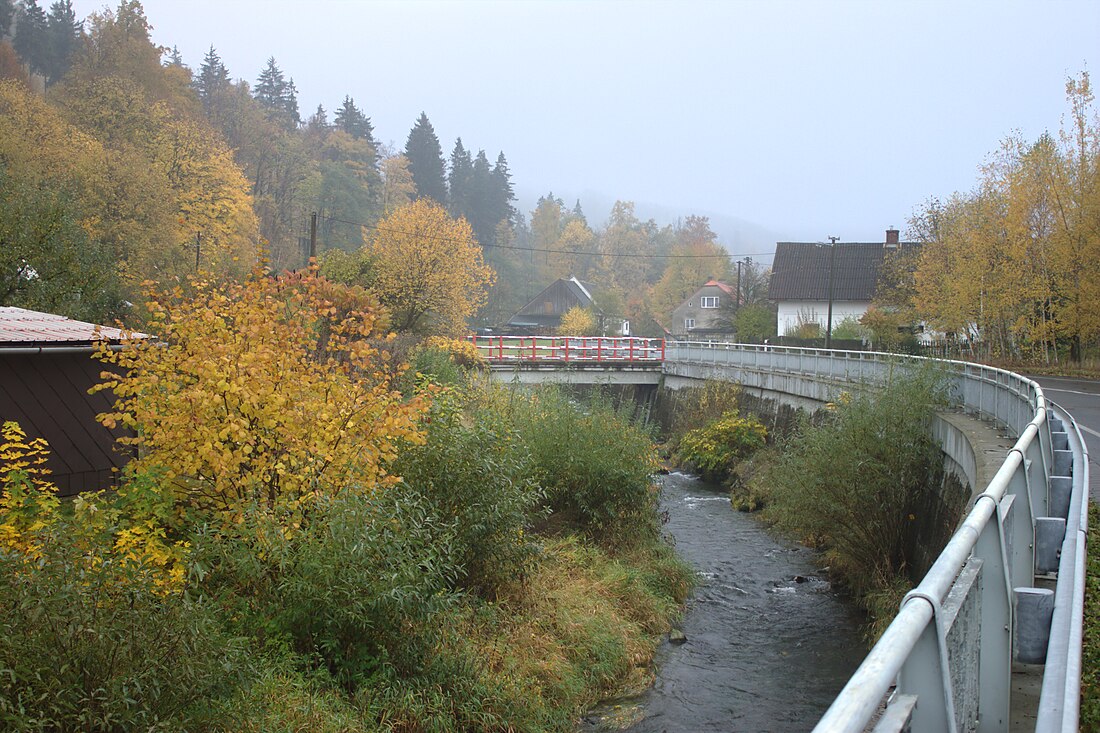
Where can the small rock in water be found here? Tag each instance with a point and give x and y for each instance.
(676, 637)
(800, 578)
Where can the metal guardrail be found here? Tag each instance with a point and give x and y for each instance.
(569, 348)
(968, 612)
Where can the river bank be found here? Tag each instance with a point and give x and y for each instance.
(769, 642)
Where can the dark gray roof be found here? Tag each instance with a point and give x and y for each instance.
(800, 271)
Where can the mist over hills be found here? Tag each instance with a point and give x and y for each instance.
(740, 237)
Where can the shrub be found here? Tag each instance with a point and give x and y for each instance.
(717, 448)
(866, 485)
(594, 462)
(353, 592)
(89, 642)
(265, 392)
(479, 481)
(693, 407)
(578, 321)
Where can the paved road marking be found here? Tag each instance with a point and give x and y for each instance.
(1090, 431)
(1070, 391)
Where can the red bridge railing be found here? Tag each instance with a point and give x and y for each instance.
(569, 348)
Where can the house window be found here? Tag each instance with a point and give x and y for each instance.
(548, 307)
(689, 323)
(708, 301)
(626, 328)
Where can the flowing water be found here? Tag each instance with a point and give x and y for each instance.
(769, 643)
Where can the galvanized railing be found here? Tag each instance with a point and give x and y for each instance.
(945, 662)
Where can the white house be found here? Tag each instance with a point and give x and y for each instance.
(800, 280)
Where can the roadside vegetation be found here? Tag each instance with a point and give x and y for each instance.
(1090, 662)
(315, 537)
(865, 484)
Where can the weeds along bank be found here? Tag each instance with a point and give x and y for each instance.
(862, 480)
(313, 537)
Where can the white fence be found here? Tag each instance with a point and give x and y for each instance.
(945, 662)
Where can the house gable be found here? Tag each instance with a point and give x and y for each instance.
(701, 312)
(545, 310)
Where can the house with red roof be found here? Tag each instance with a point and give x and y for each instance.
(46, 370)
(700, 315)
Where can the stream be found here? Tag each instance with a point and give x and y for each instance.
(769, 642)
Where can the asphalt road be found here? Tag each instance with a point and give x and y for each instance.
(1081, 398)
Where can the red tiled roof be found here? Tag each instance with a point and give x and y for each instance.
(727, 289)
(22, 327)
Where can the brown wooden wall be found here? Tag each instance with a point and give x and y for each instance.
(47, 394)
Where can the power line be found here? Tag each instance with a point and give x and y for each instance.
(452, 240)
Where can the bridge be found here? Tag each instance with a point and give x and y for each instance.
(1006, 594)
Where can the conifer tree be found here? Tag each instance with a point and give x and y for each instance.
(318, 121)
(351, 120)
(212, 78)
(277, 95)
(459, 181)
(7, 12)
(31, 37)
(482, 198)
(63, 34)
(426, 161)
(504, 192)
(578, 213)
(175, 58)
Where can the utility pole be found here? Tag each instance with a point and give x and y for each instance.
(747, 261)
(829, 322)
(312, 237)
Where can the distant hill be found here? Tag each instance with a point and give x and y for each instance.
(739, 236)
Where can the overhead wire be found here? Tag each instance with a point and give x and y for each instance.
(580, 253)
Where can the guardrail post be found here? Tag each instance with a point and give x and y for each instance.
(995, 669)
(926, 674)
(1020, 530)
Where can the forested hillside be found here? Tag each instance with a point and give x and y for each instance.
(123, 164)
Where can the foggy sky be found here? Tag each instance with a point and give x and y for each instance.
(801, 119)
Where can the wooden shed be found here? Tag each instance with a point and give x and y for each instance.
(46, 370)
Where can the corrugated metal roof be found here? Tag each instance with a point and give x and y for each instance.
(22, 327)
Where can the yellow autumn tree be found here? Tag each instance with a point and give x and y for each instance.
(696, 259)
(427, 268)
(1016, 261)
(261, 394)
(577, 321)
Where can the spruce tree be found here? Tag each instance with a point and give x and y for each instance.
(175, 58)
(318, 121)
(277, 95)
(504, 193)
(482, 195)
(290, 102)
(7, 12)
(459, 181)
(212, 78)
(426, 161)
(63, 32)
(31, 37)
(578, 213)
(351, 120)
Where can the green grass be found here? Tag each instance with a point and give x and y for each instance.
(1090, 662)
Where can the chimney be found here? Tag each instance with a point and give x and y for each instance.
(892, 238)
